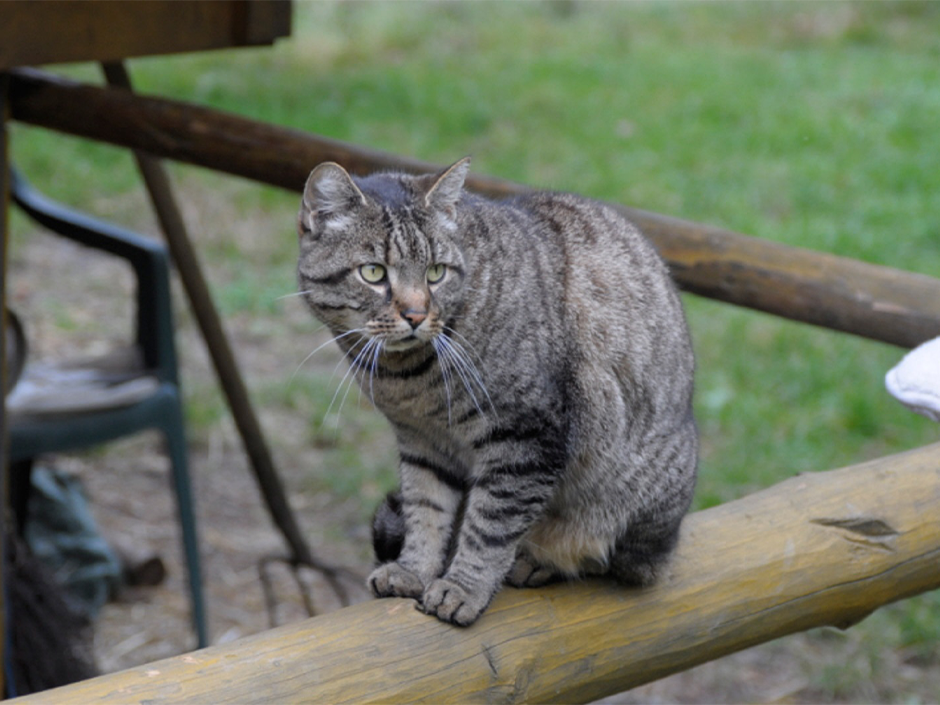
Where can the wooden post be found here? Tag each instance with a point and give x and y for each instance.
(865, 299)
(818, 549)
(4, 455)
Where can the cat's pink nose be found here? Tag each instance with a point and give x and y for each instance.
(414, 316)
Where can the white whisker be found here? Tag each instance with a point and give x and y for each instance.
(320, 347)
(293, 295)
(354, 367)
(465, 345)
(374, 366)
(445, 373)
(462, 355)
(453, 354)
(346, 355)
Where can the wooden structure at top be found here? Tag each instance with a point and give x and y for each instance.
(819, 549)
(59, 31)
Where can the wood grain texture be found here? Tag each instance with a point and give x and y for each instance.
(835, 292)
(57, 31)
(819, 549)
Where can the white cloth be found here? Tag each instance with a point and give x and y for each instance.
(915, 381)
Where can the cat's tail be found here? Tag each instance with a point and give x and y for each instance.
(388, 528)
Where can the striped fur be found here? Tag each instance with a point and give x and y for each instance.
(534, 362)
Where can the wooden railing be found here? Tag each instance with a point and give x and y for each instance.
(824, 548)
(839, 293)
(819, 549)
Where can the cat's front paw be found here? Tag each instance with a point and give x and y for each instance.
(391, 580)
(452, 603)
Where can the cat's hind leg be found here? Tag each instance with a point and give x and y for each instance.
(526, 572)
(556, 550)
(388, 529)
(641, 553)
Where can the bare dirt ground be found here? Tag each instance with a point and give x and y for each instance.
(128, 487)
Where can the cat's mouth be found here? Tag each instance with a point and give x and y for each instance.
(412, 341)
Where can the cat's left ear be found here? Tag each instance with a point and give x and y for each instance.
(445, 192)
(329, 191)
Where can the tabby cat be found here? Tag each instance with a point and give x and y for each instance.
(533, 359)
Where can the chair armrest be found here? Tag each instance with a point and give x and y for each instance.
(148, 258)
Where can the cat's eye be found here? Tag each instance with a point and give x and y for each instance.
(372, 273)
(436, 272)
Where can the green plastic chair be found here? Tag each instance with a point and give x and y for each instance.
(75, 406)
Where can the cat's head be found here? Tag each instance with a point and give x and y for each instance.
(378, 255)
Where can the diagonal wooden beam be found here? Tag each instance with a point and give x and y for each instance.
(223, 359)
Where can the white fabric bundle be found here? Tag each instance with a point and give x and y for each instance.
(915, 381)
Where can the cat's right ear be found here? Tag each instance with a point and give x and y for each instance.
(448, 185)
(330, 191)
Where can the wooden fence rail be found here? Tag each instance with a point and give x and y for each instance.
(839, 293)
(818, 549)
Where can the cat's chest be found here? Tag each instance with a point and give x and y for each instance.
(403, 403)
(437, 394)
(417, 399)
(441, 415)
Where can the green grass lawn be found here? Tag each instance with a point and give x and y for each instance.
(812, 124)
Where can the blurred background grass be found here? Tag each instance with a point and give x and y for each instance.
(812, 124)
